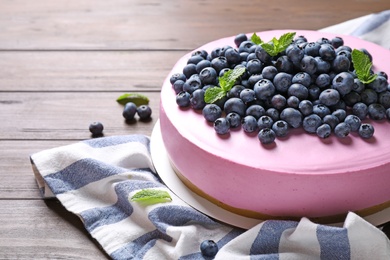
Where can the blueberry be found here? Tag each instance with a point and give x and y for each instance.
(183, 99)
(129, 111)
(195, 59)
(221, 126)
(376, 111)
(208, 75)
(295, 53)
(379, 84)
(311, 123)
(178, 85)
(265, 122)
(264, 89)
(343, 83)
(358, 86)
(308, 64)
(224, 49)
(269, 72)
(249, 124)
(327, 52)
(211, 112)
(293, 102)
(282, 81)
(369, 96)
(232, 56)
(341, 63)
(343, 48)
(314, 92)
(302, 78)
(341, 114)
(219, 63)
(337, 42)
(323, 40)
(273, 113)
(245, 46)
(292, 116)
(254, 66)
(202, 53)
(177, 76)
(384, 99)
(352, 98)
(240, 38)
(360, 110)
(306, 107)
(324, 131)
(312, 49)
(266, 136)
(354, 122)
(321, 110)
(366, 130)
(189, 70)
(247, 95)
(255, 110)
(298, 90)
(96, 128)
(235, 91)
(197, 99)
(331, 120)
(283, 64)
(342, 130)
(235, 105)
(209, 248)
(234, 120)
(253, 79)
(322, 65)
(383, 74)
(323, 80)
(329, 97)
(144, 112)
(223, 71)
(192, 84)
(280, 128)
(278, 101)
(244, 56)
(262, 55)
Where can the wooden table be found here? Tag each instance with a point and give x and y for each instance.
(63, 63)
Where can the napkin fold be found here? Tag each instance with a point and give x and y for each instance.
(95, 178)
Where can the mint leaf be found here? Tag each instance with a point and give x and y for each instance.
(226, 82)
(276, 46)
(151, 196)
(213, 94)
(285, 40)
(228, 79)
(270, 48)
(137, 99)
(362, 65)
(256, 39)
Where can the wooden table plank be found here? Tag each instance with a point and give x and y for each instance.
(36, 229)
(151, 24)
(67, 115)
(85, 70)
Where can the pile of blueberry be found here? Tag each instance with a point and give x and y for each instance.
(310, 84)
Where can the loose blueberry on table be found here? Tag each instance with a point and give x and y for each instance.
(96, 128)
(325, 87)
(208, 248)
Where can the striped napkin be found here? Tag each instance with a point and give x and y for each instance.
(95, 178)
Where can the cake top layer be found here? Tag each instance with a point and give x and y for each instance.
(299, 152)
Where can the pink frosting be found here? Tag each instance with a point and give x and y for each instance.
(301, 175)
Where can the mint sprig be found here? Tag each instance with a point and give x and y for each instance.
(137, 99)
(226, 82)
(275, 46)
(362, 65)
(256, 39)
(151, 196)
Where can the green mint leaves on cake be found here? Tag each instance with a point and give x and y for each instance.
(226, 82)
(275, 46)
(137, 99)
(151, 196)
(362, 66)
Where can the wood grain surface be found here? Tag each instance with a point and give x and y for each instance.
(63, 63)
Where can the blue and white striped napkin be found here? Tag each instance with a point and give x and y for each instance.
(95, 178)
